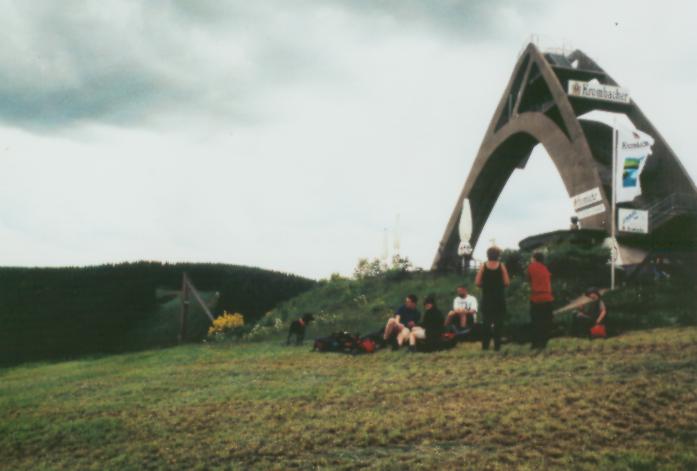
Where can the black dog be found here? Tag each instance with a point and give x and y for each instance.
(298, 327)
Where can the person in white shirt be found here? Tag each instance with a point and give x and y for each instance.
(464, 313)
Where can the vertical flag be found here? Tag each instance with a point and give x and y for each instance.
(633, 148)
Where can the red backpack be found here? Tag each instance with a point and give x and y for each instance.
(367, 345)
(598, 331)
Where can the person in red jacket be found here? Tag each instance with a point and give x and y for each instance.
(540, 300)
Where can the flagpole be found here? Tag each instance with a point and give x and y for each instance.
(615, 248)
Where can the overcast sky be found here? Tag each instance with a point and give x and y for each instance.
(288, 134)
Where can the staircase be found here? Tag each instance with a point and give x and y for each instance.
(673, 205)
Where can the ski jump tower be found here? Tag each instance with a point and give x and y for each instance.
(543, 104)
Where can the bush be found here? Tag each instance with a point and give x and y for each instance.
(375, 268)
(578, 267)
(268, 326)
(659, 304)
(368, 268)
(574, 268)
(515, 262)
(226, 326)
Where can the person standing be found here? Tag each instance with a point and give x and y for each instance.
(541, 299)
(493, 279)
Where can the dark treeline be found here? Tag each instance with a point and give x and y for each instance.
(61, 312)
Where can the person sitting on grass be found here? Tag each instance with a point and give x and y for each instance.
(464, 314)
(399, 326)
(591, 314)
(430, 329)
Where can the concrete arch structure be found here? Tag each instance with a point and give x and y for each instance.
(536, 109)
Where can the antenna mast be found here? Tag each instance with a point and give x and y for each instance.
(397, 243)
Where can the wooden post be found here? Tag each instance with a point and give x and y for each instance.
(184, 308)
(198, 298)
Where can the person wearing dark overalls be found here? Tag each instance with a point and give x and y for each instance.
(493, 280)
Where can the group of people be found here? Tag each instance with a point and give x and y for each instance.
(406, 326)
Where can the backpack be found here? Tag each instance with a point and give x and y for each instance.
(367, 345)
(598, 331)
(345, 342)
(448, 340)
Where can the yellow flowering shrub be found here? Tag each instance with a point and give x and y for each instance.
(226, 323)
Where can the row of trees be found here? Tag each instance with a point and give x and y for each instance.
(49, 312)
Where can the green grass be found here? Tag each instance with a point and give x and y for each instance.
(628, 402)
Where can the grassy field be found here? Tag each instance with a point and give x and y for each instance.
(628, 402)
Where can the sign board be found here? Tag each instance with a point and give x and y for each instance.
(633, 220)
(633, 149)
(587, 198)
(591, 211)
(597, 91)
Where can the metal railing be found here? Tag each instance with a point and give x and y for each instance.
(546, 43)
(672, 205)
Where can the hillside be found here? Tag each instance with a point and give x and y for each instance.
(626, 403)
(364, 305)
(50, 313)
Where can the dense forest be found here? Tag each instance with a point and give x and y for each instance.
(48, 313)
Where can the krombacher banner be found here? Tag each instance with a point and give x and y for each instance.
(597, 91)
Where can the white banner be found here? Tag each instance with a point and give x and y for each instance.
(465, 226)
(633, 220)
(633, 148)
(465, 229)
(598, 91)
(586, 198)
(591, 211)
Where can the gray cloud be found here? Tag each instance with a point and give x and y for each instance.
(479, 20)
(129, 62)
(62, 63)
(72, 62)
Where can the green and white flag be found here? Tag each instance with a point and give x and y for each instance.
(633, 148)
